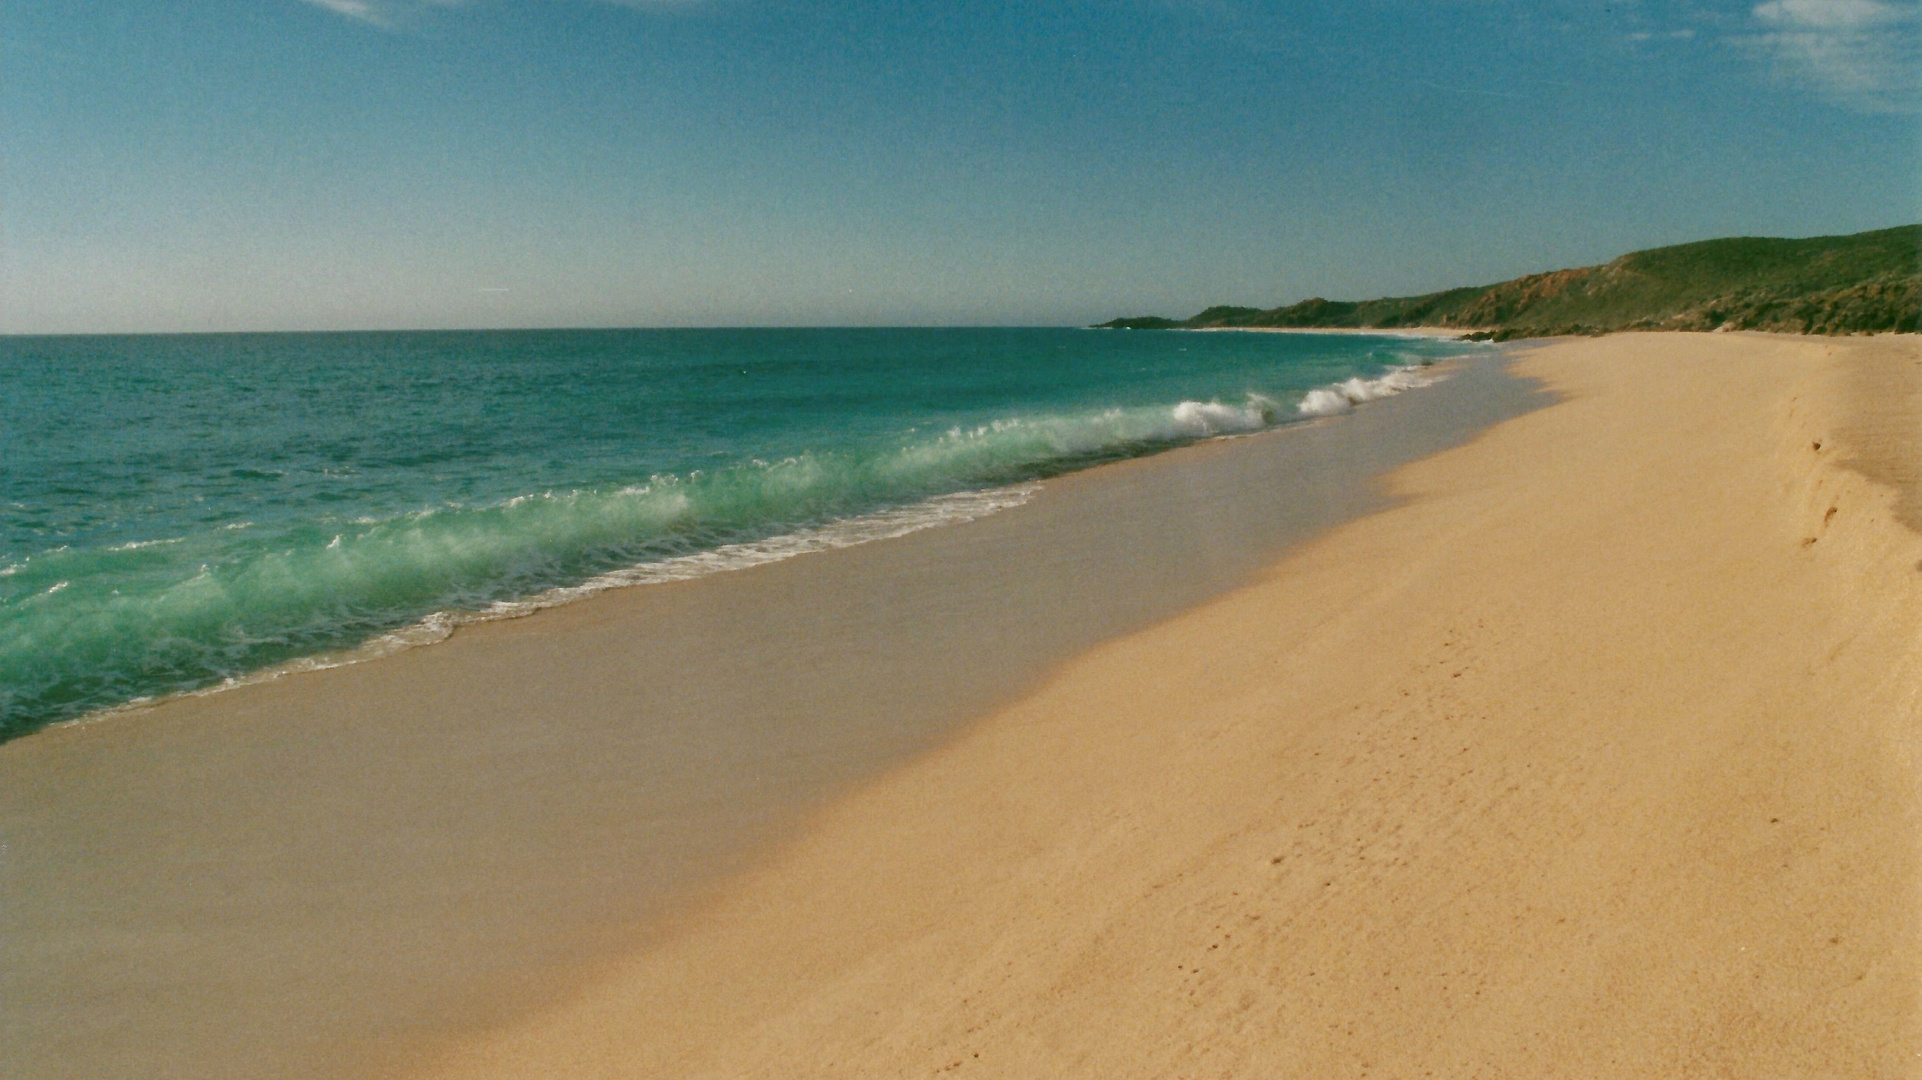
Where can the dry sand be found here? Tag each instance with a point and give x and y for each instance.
(1596, 757)
(317, 876)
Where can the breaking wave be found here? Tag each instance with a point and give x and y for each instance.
(89, 629)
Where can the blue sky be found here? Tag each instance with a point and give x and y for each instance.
(314, 164)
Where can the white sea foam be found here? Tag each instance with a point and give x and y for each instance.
(1015, 440)
(1345, 395)
(952, 509)
(883, 525)
(1186, 420)
(136, 545)
(1197, 419)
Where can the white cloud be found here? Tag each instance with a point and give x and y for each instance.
(1830, 15)
(353, 9)
(383, 12)
(1865, 54)
(379, 12)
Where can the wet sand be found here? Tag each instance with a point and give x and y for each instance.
(342, 873)
(1595, 755)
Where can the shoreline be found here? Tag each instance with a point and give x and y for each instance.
(1595, 753)
(339, 865)
(437, 627)
(892, 522)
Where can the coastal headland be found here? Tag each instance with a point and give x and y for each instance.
(1866, 282)
(1596, 755)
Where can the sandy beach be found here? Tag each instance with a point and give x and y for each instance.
(331, 873)
(639, 540)
(1594, 756)
(1583, 745)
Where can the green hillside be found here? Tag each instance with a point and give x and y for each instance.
(1866, 283)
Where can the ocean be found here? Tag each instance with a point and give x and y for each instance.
(180, 512)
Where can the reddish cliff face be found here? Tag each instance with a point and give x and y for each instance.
(1503, 303)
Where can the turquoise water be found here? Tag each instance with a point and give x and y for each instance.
(178, 511)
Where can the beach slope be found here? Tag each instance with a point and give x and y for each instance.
(1594, 756)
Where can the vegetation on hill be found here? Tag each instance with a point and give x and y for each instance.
(1866, 283)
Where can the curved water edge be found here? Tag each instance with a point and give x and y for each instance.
(308, 597)
(440, 625)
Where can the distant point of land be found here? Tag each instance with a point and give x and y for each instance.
(1869, 282)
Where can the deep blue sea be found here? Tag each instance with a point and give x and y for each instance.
(181, 511)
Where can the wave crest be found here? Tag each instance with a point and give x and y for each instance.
(1345, 395)
(92, 628)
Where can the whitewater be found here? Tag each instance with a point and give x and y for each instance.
(186, 512)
